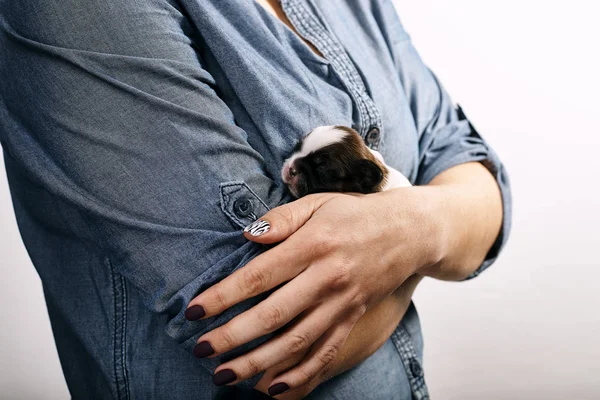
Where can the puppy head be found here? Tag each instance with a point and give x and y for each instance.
(333, 159)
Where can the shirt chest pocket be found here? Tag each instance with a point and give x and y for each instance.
(240, 203)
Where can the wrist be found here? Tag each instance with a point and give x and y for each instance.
(440, 227)
(447, 215)
(419, 216)
(435, 225)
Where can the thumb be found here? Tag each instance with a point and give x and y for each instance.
(281, 222)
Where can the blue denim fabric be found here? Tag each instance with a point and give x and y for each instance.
(136, 133)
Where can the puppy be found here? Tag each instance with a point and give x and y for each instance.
(336, 159)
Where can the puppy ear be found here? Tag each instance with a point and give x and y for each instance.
(367, 175)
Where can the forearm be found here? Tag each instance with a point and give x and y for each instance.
(466, 203)
(468, 198)
(444, 230)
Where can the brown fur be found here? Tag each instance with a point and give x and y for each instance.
(354, 144)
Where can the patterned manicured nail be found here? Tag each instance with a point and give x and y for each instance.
(278, 388)
(224, 377)
(258, 227)
(203, 349)
(194, 313)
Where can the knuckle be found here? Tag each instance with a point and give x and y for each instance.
(271, 318)
(327, 354)
(253, 366)
(298, 342)
(219, 297)
(322, 246)
(304, 376)
(357, 302)
(323, 242)
(254, 281)
(227, 337)
(285, 215)
(339, 277)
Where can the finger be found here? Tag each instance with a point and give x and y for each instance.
(281, 222)
(267, 316)
(263, 273)
(292, 394)
(298, 393)
(317, 362)
(271, 373)
(294, 342)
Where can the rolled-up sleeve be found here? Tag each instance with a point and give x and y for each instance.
(446, 137)
(458, 142)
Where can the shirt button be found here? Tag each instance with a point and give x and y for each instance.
(243, 207)
(373, 135)
(415, 368)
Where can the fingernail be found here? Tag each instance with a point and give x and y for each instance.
(278, 388)
(203, 349)
(224, 377)
(258, 227)
(194, 313)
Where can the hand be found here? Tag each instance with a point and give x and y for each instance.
(341, 255)
(370, 333)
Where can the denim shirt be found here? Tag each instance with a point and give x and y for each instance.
(141, 137)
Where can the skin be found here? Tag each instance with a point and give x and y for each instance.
(442, 230)
(351, 263)
(274, 7)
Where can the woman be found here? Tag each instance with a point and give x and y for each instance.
(140, 139)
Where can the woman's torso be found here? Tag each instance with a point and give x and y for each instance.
(277, 89)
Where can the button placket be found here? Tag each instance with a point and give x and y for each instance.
(308, 26)
(370, 128)
(414, 371)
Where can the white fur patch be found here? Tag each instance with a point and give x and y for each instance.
(377, 155)
(395, 179)
(317, 139)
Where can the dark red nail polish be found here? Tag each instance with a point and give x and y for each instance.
(224, 377)
(203, 349)
(194, 313)
(278, 388)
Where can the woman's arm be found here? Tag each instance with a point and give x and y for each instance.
(139, 156)
(468, 206)
(469, 199)
(329, 239)
(439, 228)
(466, 196)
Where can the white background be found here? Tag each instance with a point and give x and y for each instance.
(526, 73)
